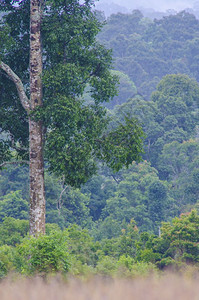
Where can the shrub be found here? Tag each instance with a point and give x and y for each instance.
(7, 257)
(44, 254)
(143, 269)
(78, 269)
(124, 266)
(106, 266)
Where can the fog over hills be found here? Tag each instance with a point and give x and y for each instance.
(124, 6)
(160, 5)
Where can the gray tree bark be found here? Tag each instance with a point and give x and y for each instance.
(37, 190)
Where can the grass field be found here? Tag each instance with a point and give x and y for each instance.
(167, 287)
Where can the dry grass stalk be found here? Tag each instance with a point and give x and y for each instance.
(168, 287)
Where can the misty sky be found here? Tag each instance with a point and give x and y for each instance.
(158, 5)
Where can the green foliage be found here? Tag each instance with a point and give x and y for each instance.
(177, 86)
(82, 246)
(71, 208)
(66, 152)
(106, 266)
(122, 145)
(81, 270)
(74, 250)
(13, 205)
(148, 256)
(126, 244)
(14, 178)
(5, 153)
(76, 79)
(106, 229)
(172, 115)
(6, 40)
(7, 257)
(157, 201)
(64, 205)
(73, 60)
(178, 243)
(124, 264)
(179, 165)
(15, 53)
(131, 200)
(129, 254)
(12, 231)
(126, 89)
(146, 50)
(44, 254)
(99, 188)
(143, 269)
(177, 100)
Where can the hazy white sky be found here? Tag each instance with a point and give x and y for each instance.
(160, 5)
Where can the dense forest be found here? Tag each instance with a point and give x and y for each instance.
(140, 214)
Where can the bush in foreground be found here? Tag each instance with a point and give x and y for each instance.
(44, 254)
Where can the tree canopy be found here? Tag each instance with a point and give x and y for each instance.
(48, 112)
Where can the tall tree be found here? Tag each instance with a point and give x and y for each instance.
(37, 197)
(76, 134)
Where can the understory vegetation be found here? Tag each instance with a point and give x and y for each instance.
(74, 251)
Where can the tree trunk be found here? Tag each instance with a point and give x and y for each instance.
(37, 193)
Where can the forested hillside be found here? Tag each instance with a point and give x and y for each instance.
(156, 62)
(147, 50)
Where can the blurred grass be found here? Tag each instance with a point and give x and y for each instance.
(168, 286)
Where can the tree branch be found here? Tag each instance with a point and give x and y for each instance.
(14, 163)
(19, 85)
(59, 202)
(116, 180)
